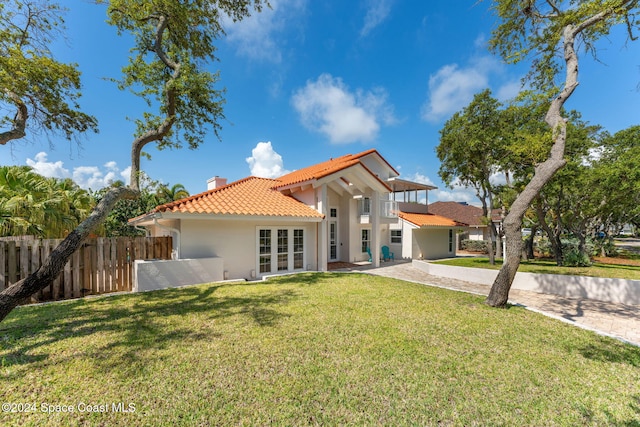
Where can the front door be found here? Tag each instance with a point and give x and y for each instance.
(333, 234)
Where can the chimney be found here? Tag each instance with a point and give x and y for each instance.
(216, 182)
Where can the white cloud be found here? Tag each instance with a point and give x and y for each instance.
(452, 87)
(327, 106)
(85, 176)
(265, 162)
(256, 36)
(377, 12)
(48, 169)
(508, 91)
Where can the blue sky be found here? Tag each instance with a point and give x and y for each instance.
(309, 80)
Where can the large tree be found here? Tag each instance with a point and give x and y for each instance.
(618, 176)
(36, 91)
(472, 149)
(174, 41)
(548, 30)
(568, 205)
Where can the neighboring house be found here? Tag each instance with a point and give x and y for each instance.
(328, 212)
(477, 228)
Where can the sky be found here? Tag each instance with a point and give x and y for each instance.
(308, 80)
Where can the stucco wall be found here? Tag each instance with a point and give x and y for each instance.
(602, 289)
(406, 248)
(432, 243)
(154, 275)
(235, 242)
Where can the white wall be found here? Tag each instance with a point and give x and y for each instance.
(154, 275)
(432, 243)
(235, 241)
(597, 288)
(377, 166)
(477, 233)
(404, 249)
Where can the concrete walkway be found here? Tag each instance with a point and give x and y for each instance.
(619, 321)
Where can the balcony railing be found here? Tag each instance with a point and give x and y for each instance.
(388, 209)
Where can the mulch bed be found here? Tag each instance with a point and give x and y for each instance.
(617, 261)
(340, 265)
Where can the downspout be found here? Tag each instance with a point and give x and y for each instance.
(172, 230)
(147, 233)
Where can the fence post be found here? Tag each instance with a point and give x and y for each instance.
(3, 266)
(12, 262)
(100, 264)
(55, 288)
(77, 287)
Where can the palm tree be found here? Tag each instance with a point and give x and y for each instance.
(34, 205)
(166, 194)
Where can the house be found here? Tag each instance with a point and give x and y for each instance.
(477, 228)
(304, 220)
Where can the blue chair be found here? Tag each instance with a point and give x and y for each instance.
(369, 252)
(386, 254)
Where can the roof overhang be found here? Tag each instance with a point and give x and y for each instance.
(428, 221)
(150, 219)
(398, 185)
(354, 179)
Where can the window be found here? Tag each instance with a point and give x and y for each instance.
(283, 250)
(280, 249)
(298, 248)
(333, 213)
(365, 207)
(265, 251)
(366, 239)
(396, 236)
(450, 240)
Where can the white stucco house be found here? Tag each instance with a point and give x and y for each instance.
(328, 212)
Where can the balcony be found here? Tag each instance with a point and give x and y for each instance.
(388, 211)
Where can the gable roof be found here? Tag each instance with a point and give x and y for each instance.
(460, 212)
(254, 196)
(329, 167)
(251, 196)
(429, 220)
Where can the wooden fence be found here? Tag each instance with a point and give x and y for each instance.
(100, 266)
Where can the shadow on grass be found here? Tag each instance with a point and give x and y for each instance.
(301, 279)
(604, 349)
(132, 323)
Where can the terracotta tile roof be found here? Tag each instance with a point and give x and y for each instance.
(323, 169)
(460, 212)
(429, 220)
(248, 196)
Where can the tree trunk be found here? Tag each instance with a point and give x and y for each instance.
(528, 250)
(498, 241)
(499, 294)
(51, 268)
(554, 238)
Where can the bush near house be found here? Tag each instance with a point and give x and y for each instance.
(479, 246)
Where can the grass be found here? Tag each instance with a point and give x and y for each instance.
(598, 269)
(334, 349)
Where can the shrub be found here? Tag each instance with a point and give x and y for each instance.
(475, 245)
(571, 254)
(604, 245)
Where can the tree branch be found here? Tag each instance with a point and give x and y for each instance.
(161, 131)
(19, 121)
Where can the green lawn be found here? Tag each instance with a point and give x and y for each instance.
(333, 349)
(631, 272)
